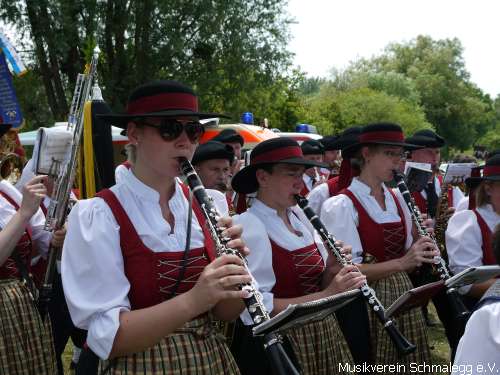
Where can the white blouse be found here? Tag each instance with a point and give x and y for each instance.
(261, 219)
(464, 239)
(318, 196)
(39, 236)
(340, 217)
(120, 172)
(463, 204)
(94, 281)
(480, 344)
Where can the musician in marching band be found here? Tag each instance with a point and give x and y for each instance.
(287, 261)
(145, 289)
(313, 150)
(430, 152)
(237, 202)
(62, 326)
(233, 139)
(376, 221)
(469, 232)
(347, 171)
(212, 161)
(483, 327)
(26, 346)
(331, 156)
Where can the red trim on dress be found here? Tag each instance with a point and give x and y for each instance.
(487, 245)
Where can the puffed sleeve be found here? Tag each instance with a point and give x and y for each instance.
(260, 260)
(463, 204)
(317, 196)
(458, 195)
(40, 237)
(95, 285)
(463, 243)
(480, 343)
(341, 220)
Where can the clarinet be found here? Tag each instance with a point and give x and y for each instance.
(454, 298)
(273, 342)
(403, 346)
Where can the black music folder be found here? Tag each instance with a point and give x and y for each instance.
(303, 313)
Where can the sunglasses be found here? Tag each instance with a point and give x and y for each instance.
(171, 129)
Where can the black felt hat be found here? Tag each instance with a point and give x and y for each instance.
(330, 142)
(385, 133)
(426, 138)
(349, 137)
(271, 151)
(164, 99)
(312, 147)
(213, 150)
(229, 136)
(491, 172)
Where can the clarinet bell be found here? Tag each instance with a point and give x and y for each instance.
(403, 346)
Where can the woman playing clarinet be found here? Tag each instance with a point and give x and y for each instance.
(140, 274)
(469, 232)
(375, 221)
(287, 262)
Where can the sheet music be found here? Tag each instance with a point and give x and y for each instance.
(52, 145)
(423, 166)
(473, 275)
(457, 172)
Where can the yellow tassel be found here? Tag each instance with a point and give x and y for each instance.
(88, 151)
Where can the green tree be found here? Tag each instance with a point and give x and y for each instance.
(333, 110)
(233, 52)
(457, 108)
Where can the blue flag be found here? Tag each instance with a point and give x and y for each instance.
(9, 106)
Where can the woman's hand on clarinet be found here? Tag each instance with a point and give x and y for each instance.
(332, 263)
(219, 281)
(234, 233)
(422, 251)
(33, 193)
(348, 278)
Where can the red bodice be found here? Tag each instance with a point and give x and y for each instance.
(298, 272)
(383, 241)
(153, 275)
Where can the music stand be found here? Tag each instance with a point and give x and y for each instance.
(299, 314)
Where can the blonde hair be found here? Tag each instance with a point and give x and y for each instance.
(482, 197)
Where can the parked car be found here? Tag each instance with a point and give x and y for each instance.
(300, 137)
(252, 134)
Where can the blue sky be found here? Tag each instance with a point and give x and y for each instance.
(331, 33)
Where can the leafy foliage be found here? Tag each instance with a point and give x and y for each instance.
(233, 52)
